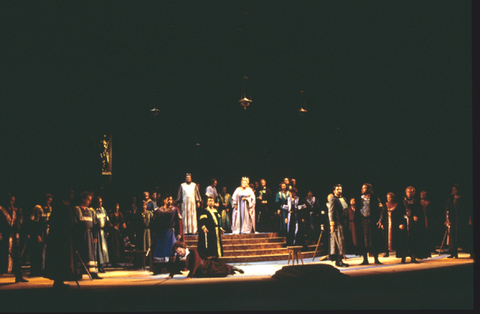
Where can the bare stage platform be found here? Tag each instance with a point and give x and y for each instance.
(435, 283)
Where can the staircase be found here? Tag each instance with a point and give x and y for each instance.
(247, 248)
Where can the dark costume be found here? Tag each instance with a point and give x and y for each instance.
(390, 229)
(429, 223)
(210, 243)
(39, 231)
(369, 212)
(264, 209)
(280, 200)
(336, 207)
(350, 231)
(459, 214)
(295, 227)
(411, 239)
(130, 217)
(199, 266)
(144, 238)
(9, 245)
(59, 260)
(312, 217)
(167, 225)
(84, 222)
(222, 209)
(116, 244)
(324, 222)
(151, 206)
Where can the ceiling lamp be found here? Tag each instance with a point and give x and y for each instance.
(155, 111)
(303, 105)
(244, 100)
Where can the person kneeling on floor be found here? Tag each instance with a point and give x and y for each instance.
(198, 265)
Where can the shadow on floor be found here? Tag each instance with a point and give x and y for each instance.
(304, 287)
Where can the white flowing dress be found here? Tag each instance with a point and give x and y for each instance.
(243, 214)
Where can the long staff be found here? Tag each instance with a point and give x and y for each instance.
(336, 241)
(443, 241)
(318, 243)
(23, 250)
(84, 267)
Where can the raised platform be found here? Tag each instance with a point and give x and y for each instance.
(255, 247)
(437, 283)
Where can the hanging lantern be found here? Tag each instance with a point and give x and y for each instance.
(303, 105)
(155, 111)
(244, 100)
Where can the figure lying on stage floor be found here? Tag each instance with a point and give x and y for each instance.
(198, 265)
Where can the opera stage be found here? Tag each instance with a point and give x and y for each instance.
(434, 283)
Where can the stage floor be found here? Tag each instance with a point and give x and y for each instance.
(434, 283)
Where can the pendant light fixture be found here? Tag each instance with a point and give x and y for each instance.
(245, 98)
(303, 105)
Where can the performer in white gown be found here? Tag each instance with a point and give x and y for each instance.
(189, 198)
(243, 214)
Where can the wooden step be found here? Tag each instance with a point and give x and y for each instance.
(252, 252)
(255, 246)
(244, 248)
(241, 236)
(247, 241)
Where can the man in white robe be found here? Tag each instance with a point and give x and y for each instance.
(211, 191)
(189, 198)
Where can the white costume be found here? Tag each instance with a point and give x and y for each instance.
(211, 191)
(188, 196)
(243, 214)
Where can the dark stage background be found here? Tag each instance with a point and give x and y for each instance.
(388, 87)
